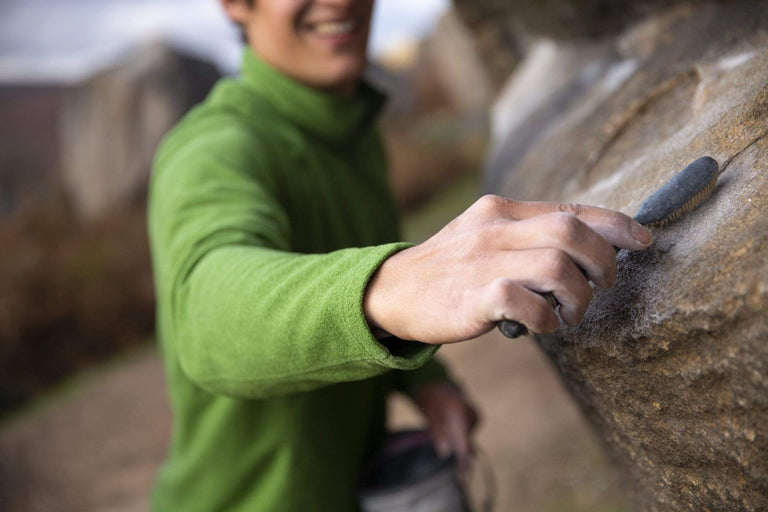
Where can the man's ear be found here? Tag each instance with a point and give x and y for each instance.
(238, 11)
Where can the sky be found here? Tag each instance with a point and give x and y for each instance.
(66, 40)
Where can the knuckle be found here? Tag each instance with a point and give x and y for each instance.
(502, 289)
(572, 208)
(557, 263)
(566, 226)
(490, 204)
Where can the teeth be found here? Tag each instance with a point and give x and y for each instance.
(334, 28)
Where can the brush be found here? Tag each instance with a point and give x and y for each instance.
(685, 191)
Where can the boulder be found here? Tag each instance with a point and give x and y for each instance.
(563, 20)
(111, 124)
(495, 37)
(671, 364)
(29, 150)
(454, 59)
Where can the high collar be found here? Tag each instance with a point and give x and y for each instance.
(326, 116)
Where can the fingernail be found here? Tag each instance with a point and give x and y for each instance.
(641, 235)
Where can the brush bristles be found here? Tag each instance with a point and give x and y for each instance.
(690, 205)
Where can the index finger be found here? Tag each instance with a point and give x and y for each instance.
(619, 229)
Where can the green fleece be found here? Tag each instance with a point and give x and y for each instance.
(269, 211)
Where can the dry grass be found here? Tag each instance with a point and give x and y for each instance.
(70, 295)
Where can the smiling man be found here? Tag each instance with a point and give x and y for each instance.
(287, 307)
(319, 44)
(269, 211)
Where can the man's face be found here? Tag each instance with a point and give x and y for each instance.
(321, 43)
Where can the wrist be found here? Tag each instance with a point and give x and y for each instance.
(380, 302)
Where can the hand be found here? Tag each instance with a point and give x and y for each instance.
(492, 263)
(451, 419)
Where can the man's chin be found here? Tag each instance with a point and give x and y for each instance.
(345, 76)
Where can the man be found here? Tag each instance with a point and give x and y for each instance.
(285, 301)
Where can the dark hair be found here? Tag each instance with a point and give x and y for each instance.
(243, 35)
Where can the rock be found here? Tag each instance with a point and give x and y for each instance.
(454, 58)
(671, 364)
(562, 19)
(112, 123)
(29, 150)
(495, 37)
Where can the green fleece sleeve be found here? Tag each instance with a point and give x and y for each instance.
(247, 317)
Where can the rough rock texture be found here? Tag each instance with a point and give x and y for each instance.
(112, 123)
(671, 364)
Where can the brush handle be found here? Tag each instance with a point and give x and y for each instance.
(512, 328)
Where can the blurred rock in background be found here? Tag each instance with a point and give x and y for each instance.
(496, 35)
(110, 125)
(75, 279)
(436, 123)
(453, 56)
(29, 145)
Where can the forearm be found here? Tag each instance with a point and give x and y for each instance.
(254, 322)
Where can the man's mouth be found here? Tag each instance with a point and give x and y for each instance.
(334, 28)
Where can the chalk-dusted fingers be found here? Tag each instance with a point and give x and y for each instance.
(505, 299)
(555, 272)
(619, 229)
(563, 231)
(546, 270)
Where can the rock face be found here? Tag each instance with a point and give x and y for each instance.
(112, 123)
(671, 364)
